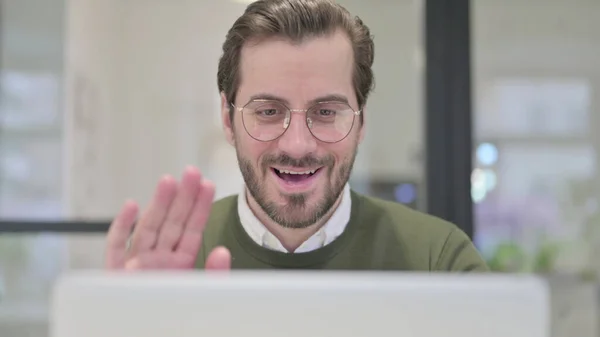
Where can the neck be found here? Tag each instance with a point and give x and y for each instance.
(290, 238)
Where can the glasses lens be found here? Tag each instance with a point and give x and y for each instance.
(330, 122)
(265, 120)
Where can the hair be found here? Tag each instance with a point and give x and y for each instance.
(296, 21)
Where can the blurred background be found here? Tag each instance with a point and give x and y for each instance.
(99, 98)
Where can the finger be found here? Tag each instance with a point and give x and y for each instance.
(180, 210)
(118, 234)
(191, 239)
(218, 259)
(134, 264)
(146, 232)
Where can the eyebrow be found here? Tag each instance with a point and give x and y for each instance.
(326, 98)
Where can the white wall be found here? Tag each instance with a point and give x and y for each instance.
(94, 122)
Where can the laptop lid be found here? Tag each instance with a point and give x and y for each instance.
(298, 304)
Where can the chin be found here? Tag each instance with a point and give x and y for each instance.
(294, 210)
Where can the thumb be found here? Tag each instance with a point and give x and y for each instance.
(218, 259)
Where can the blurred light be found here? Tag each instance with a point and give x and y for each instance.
(487, 154)
(490, 179)
(406, 193)
(478, 186)
(478, 195)
(478, 178)
(482, 182)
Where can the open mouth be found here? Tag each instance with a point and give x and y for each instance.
(295, 176)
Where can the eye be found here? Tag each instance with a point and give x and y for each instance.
(326, 112)
(267, 112)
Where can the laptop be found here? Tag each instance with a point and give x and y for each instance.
(298, 304)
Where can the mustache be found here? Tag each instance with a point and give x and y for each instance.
(304, 162)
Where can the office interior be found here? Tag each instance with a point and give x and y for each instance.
(485, 113)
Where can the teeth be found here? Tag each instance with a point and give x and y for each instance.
(292, 172)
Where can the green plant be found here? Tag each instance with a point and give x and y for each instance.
(544, 259)
(508, 257)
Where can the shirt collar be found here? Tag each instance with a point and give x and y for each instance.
(333, 228)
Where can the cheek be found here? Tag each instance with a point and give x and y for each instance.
(344, 150)
(248, 147)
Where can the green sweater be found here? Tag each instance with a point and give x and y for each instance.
(381, 235)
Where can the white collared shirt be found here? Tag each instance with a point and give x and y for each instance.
(333, 228)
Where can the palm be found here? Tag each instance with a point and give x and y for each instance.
(168, 235)
(161, 260)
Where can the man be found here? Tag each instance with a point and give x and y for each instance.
(294, 79)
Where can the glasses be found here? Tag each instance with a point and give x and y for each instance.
(267, 120)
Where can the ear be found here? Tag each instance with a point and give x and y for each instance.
(227, 121)
(363, 128)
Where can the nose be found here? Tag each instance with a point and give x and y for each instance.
(297, 141)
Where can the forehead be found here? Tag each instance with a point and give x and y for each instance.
(298, 72)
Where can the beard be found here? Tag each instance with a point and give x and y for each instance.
(297, 212)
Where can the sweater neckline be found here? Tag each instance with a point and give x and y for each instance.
(308, 259)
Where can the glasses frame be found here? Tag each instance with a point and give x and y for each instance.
(291, 111)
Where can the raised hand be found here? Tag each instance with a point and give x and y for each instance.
(168, 234)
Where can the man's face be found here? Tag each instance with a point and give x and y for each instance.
(296, 75)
